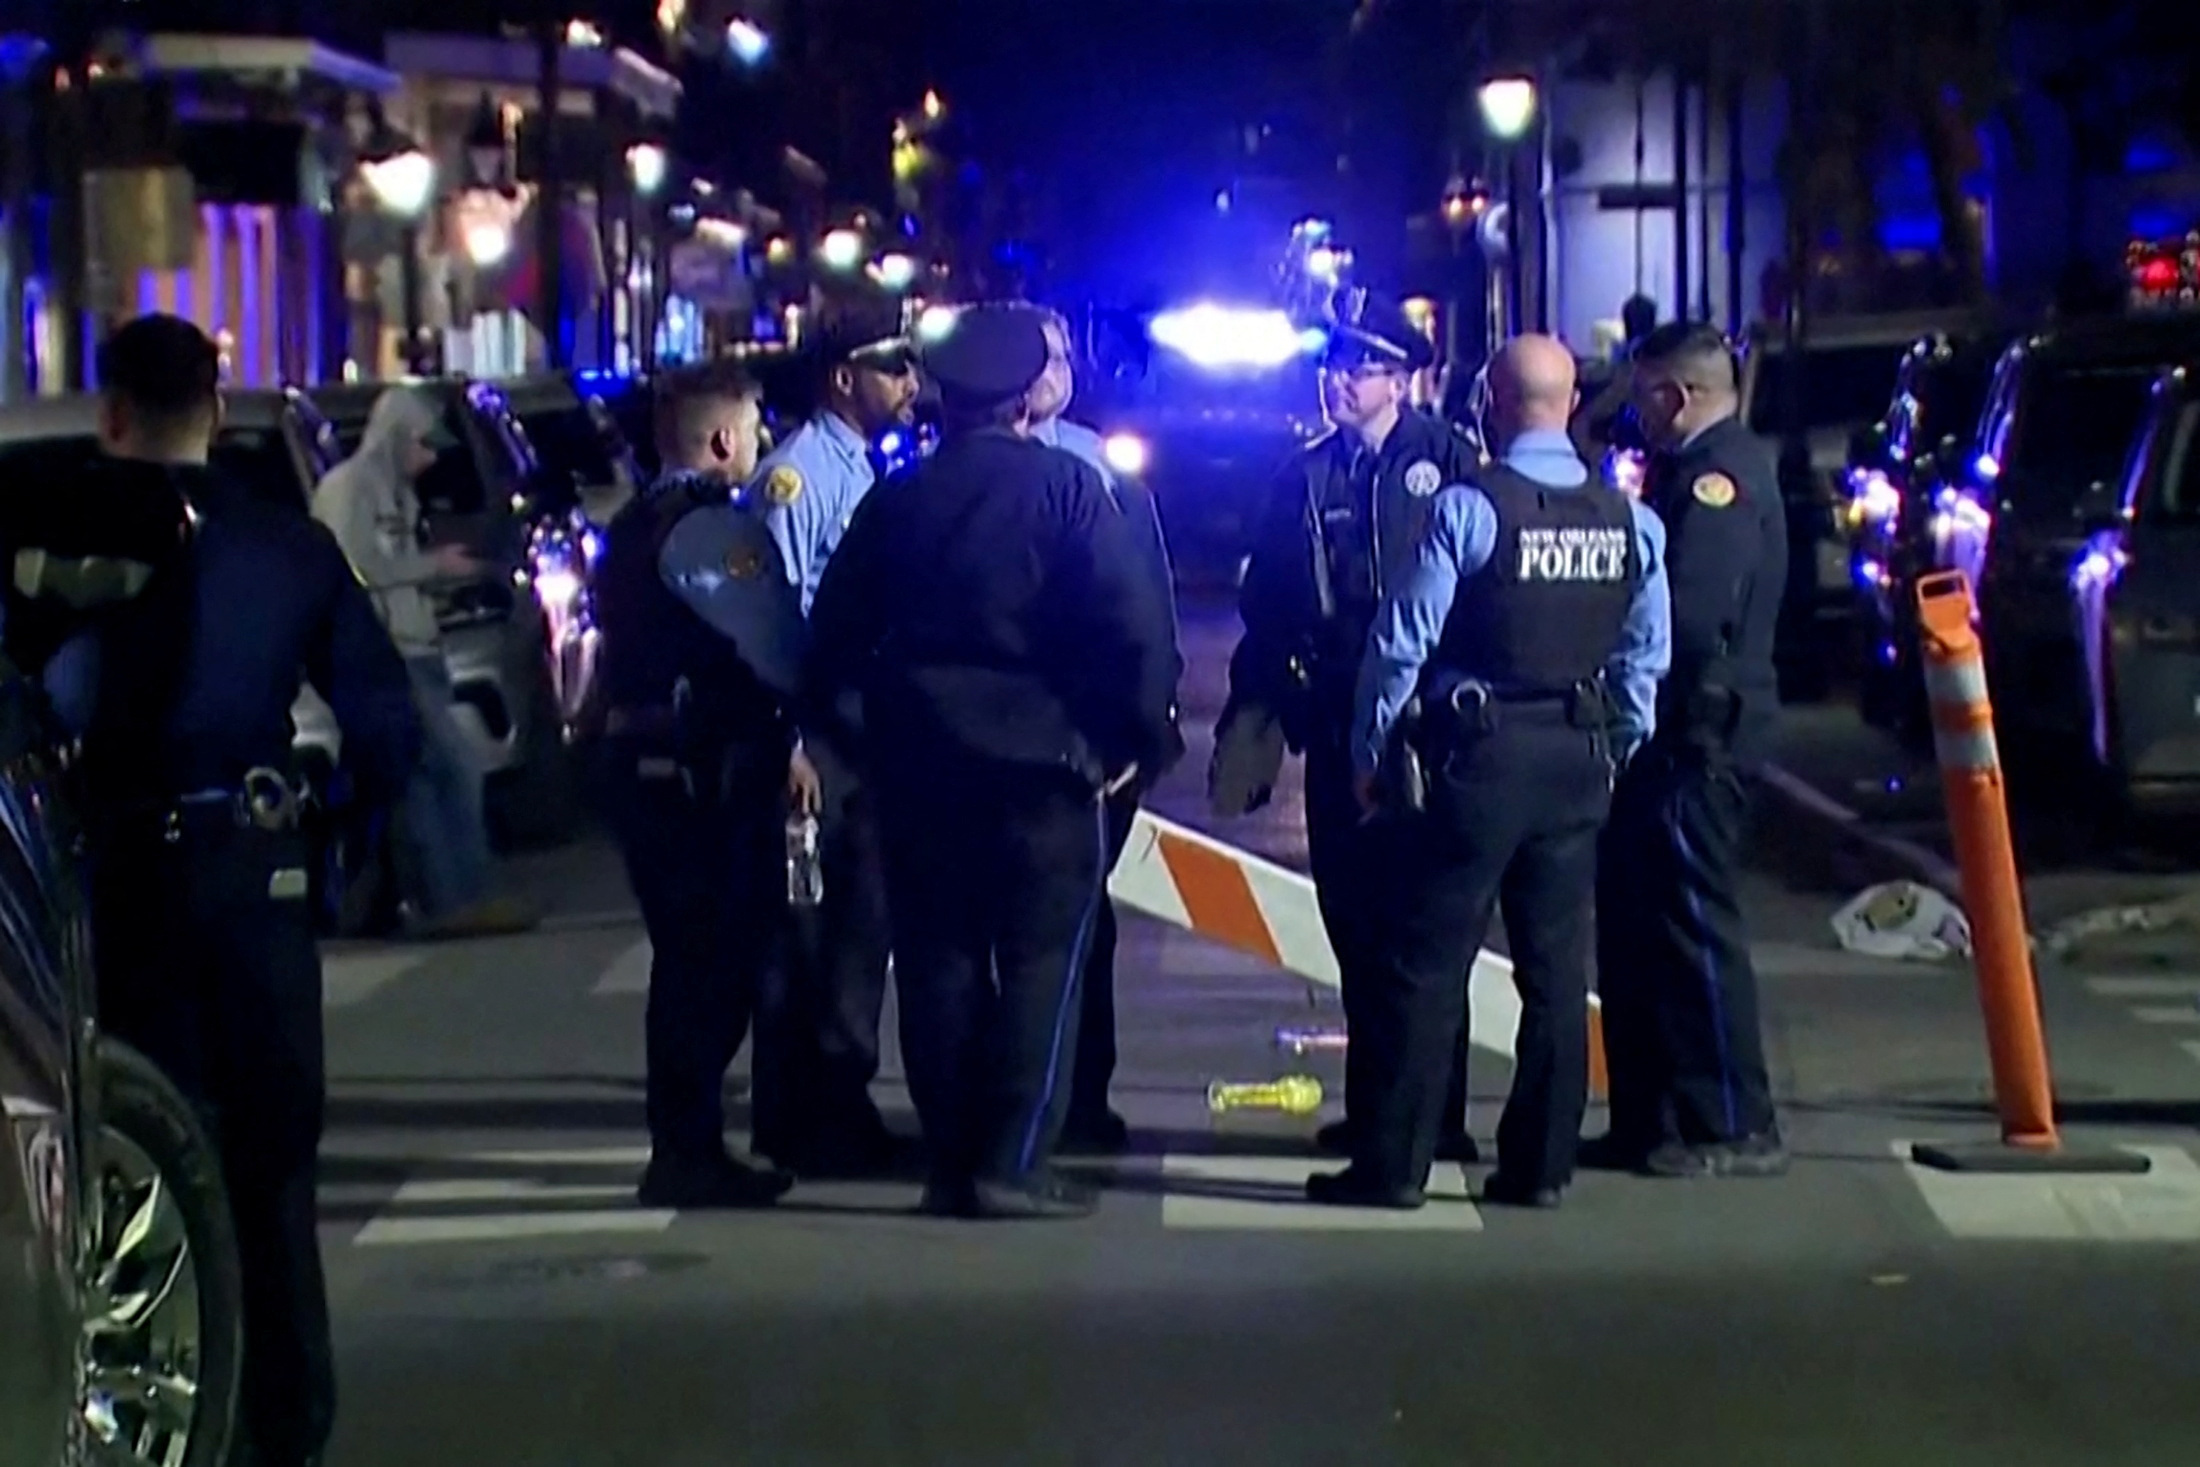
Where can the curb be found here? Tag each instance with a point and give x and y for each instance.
(1821, 840)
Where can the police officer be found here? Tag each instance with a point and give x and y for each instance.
(1690, 1096)
(809, 488)
(1013, 673)
(1341, 525)
(701, 642)
(1533, 629)
(1092, 1125)
(171, 612)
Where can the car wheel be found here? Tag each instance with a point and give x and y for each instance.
(163, 1294)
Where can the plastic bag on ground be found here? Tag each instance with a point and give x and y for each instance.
(1904, 921)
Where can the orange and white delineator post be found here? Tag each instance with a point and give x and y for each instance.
(2001, 949)
(1268, 912)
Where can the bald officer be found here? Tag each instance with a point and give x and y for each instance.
(1533, 626)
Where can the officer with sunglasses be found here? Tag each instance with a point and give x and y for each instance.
(809, 488)
(1342, 522)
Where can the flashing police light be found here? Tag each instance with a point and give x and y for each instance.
(1126, 453)
(934, 322)
(1218, 337)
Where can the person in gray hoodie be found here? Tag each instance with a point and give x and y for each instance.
(368, 502)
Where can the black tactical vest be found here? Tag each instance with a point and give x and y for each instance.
(1546, 612)
(651, 640)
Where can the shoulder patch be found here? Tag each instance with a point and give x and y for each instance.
(783, 485)
(1712, 491)
(1424, 479)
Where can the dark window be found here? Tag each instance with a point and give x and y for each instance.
(256, 458)
(2074, 428)
(1841, 386)
(2179, 500)
(568, 445)
(1950, 398)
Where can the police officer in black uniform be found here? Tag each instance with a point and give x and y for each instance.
(1342, 521)
(988, 608)
(1690, 1096)
(701, 650)
(170, 614)
(1532, 630)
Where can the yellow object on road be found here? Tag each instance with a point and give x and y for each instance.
(1297, 1095)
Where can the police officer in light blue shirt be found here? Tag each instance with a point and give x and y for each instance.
(809, 488)
(1532, 627)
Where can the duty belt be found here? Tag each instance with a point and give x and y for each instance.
(264, 799)
(1473, 705)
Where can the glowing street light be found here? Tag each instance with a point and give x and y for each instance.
(648, 164)
(487, 243)
(403, 183)
(748, 41)
(934, 322)
(842, 249)
(934, 108)
(1508, 106)
(895, 271)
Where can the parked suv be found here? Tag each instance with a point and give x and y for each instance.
(121, 1305)
(2056, 437)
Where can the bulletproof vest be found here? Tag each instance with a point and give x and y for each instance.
(109, 559)
(1364, 531)
(651, 639)
(1546, 612)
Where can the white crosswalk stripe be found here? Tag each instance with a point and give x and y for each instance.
(627, 973)
(495, 1196)
(349, 978)
(1267, 1194)
(2160, 1206)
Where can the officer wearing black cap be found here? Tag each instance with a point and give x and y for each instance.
(987, 606)
(809, 487)
(701, 653)
(1690, 1094)
(1341, 525)
(171, 613)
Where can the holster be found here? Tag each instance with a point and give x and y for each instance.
(1402, 777)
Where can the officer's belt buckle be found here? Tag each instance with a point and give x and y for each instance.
(266, 800)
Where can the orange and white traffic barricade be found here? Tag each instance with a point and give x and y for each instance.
(1267, 911)
(2001, 948)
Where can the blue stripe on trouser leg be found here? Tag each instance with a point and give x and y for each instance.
(1078, 949)
(1708, 971)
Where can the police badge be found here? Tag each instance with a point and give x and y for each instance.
(1424, 479)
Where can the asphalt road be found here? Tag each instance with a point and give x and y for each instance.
(501, 1302)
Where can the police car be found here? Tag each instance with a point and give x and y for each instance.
(1205, 402)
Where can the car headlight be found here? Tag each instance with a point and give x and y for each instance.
(1126, 453)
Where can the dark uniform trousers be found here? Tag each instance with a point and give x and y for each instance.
(994, 876)
(217, 980)
(708, 870)
(1352, 860)
(1682, 1042)
(1511, 823)
(1096, 1056)
(842, 949)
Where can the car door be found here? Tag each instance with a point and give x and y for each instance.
(2147, 634)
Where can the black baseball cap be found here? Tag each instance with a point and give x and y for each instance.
(991, 353)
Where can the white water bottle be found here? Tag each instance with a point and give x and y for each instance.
(805, 871)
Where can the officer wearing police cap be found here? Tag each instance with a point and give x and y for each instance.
(808, 489)
(1340, 525)
(1690, 1097)
(988, 608)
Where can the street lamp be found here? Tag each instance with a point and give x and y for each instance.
(748, 41)
(402, 179)
(895, 271)
(648, 164)
(841, 249)
(1508, 106)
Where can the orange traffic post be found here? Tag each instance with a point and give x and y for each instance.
(2001, 949)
